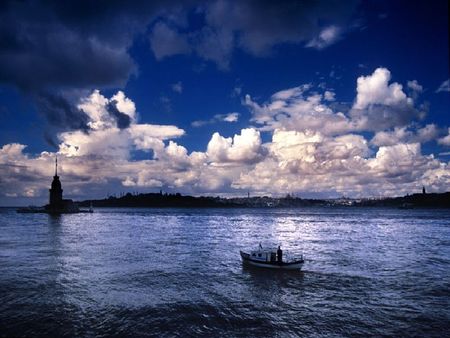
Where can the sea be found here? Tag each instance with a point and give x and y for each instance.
(368, 272)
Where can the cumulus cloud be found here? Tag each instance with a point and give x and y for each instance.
(380, 105)
(103, 113)
(299, 108)
(113, 129)
(375, 89)
(316, 163)
(405, 135)
(445, 140)
(313, 148)
(300, 150)
(244, 147)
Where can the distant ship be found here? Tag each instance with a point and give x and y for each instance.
(56, 205)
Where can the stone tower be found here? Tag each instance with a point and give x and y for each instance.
(56, 191)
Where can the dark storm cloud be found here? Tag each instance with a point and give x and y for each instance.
(50, 48)
(60, 112)
(256, 27)
(75, 44)
(61, 46)
(123, 120)
(262, 24)
(84, 44)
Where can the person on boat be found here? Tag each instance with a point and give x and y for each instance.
(280, 254)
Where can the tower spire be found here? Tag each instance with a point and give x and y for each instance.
(56, 165)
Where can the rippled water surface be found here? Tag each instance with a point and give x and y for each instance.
(177, 272)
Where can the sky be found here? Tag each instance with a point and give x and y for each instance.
(317, 99)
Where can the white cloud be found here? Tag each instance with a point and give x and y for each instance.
(244, 147)
(124, 104)
(405, 135)
(329, 95)
(380, 105)
(374, 89)
(444, 87)
(294, 148)
(327, 37)
(314, 148)
(230, 118)
(111, 142)
(445, 140)
(427, 133)
(415, 86)
(95, 108)
(396, 159)
(105, 138)
(343, 165)
(11, 151)
(298, 109)
(162, 132)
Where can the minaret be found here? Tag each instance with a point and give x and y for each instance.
(56, 191)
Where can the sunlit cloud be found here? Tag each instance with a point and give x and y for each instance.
(313, 148)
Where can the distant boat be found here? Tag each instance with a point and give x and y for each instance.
(272, 259)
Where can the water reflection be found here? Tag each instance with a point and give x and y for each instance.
(179, 273)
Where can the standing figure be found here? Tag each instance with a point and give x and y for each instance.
(280, 254)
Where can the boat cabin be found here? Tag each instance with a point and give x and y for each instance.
(265, 256)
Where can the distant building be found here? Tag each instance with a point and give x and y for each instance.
(423, 190)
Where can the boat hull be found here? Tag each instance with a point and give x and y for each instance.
(294, 265)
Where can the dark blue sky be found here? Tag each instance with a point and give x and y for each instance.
(190, 65)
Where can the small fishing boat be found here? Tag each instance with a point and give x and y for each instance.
(269, 258)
